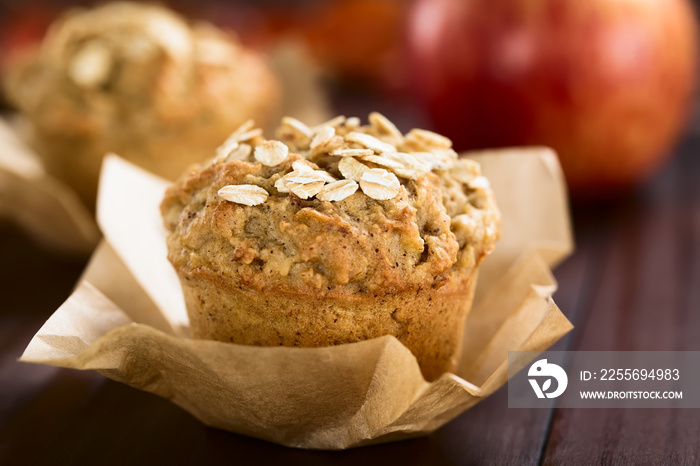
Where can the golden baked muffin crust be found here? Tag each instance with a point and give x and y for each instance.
(394, 250)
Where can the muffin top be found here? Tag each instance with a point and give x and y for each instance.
(336, 209)
(126, 67)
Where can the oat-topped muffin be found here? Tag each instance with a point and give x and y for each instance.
(330, 235)
(140, 81)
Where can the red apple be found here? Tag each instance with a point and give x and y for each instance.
(606, 83)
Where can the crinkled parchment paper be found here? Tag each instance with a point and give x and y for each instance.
(44, 206)
(127, 320)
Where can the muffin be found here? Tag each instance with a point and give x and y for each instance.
(137, 80)
(331, 235)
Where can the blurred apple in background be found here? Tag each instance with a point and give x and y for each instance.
(607, 83)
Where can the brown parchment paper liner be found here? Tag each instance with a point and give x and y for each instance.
(126, 320)
(52, 212)
(44, 206)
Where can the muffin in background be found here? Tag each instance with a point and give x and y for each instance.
(332, 234)
(138, 80)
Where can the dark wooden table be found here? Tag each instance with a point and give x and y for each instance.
(633, 284)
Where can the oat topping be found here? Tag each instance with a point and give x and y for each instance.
(223, 151)
(383, 161)
(351, 169)
(271, 153)
(242, 133)
(303, 177)
(305, 190)
(235, 136)
(245, 127)
(465, 170)
(325, 176)
(281, 186)
(242, 152)
(337, 190)
(233, 152)
(322, 137)
(304, 181)
(334, 122)
(302, 166)
(226, 148)
(422, 139)
(438, 159)
(352, 152)
(411, 167)
(252, 134)
(297, 126)
(369, 158)
(370, 142)
(352, 123)
(384, 126)
(246, 194)
(379, 184)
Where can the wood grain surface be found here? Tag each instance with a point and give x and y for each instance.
(633, 284)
